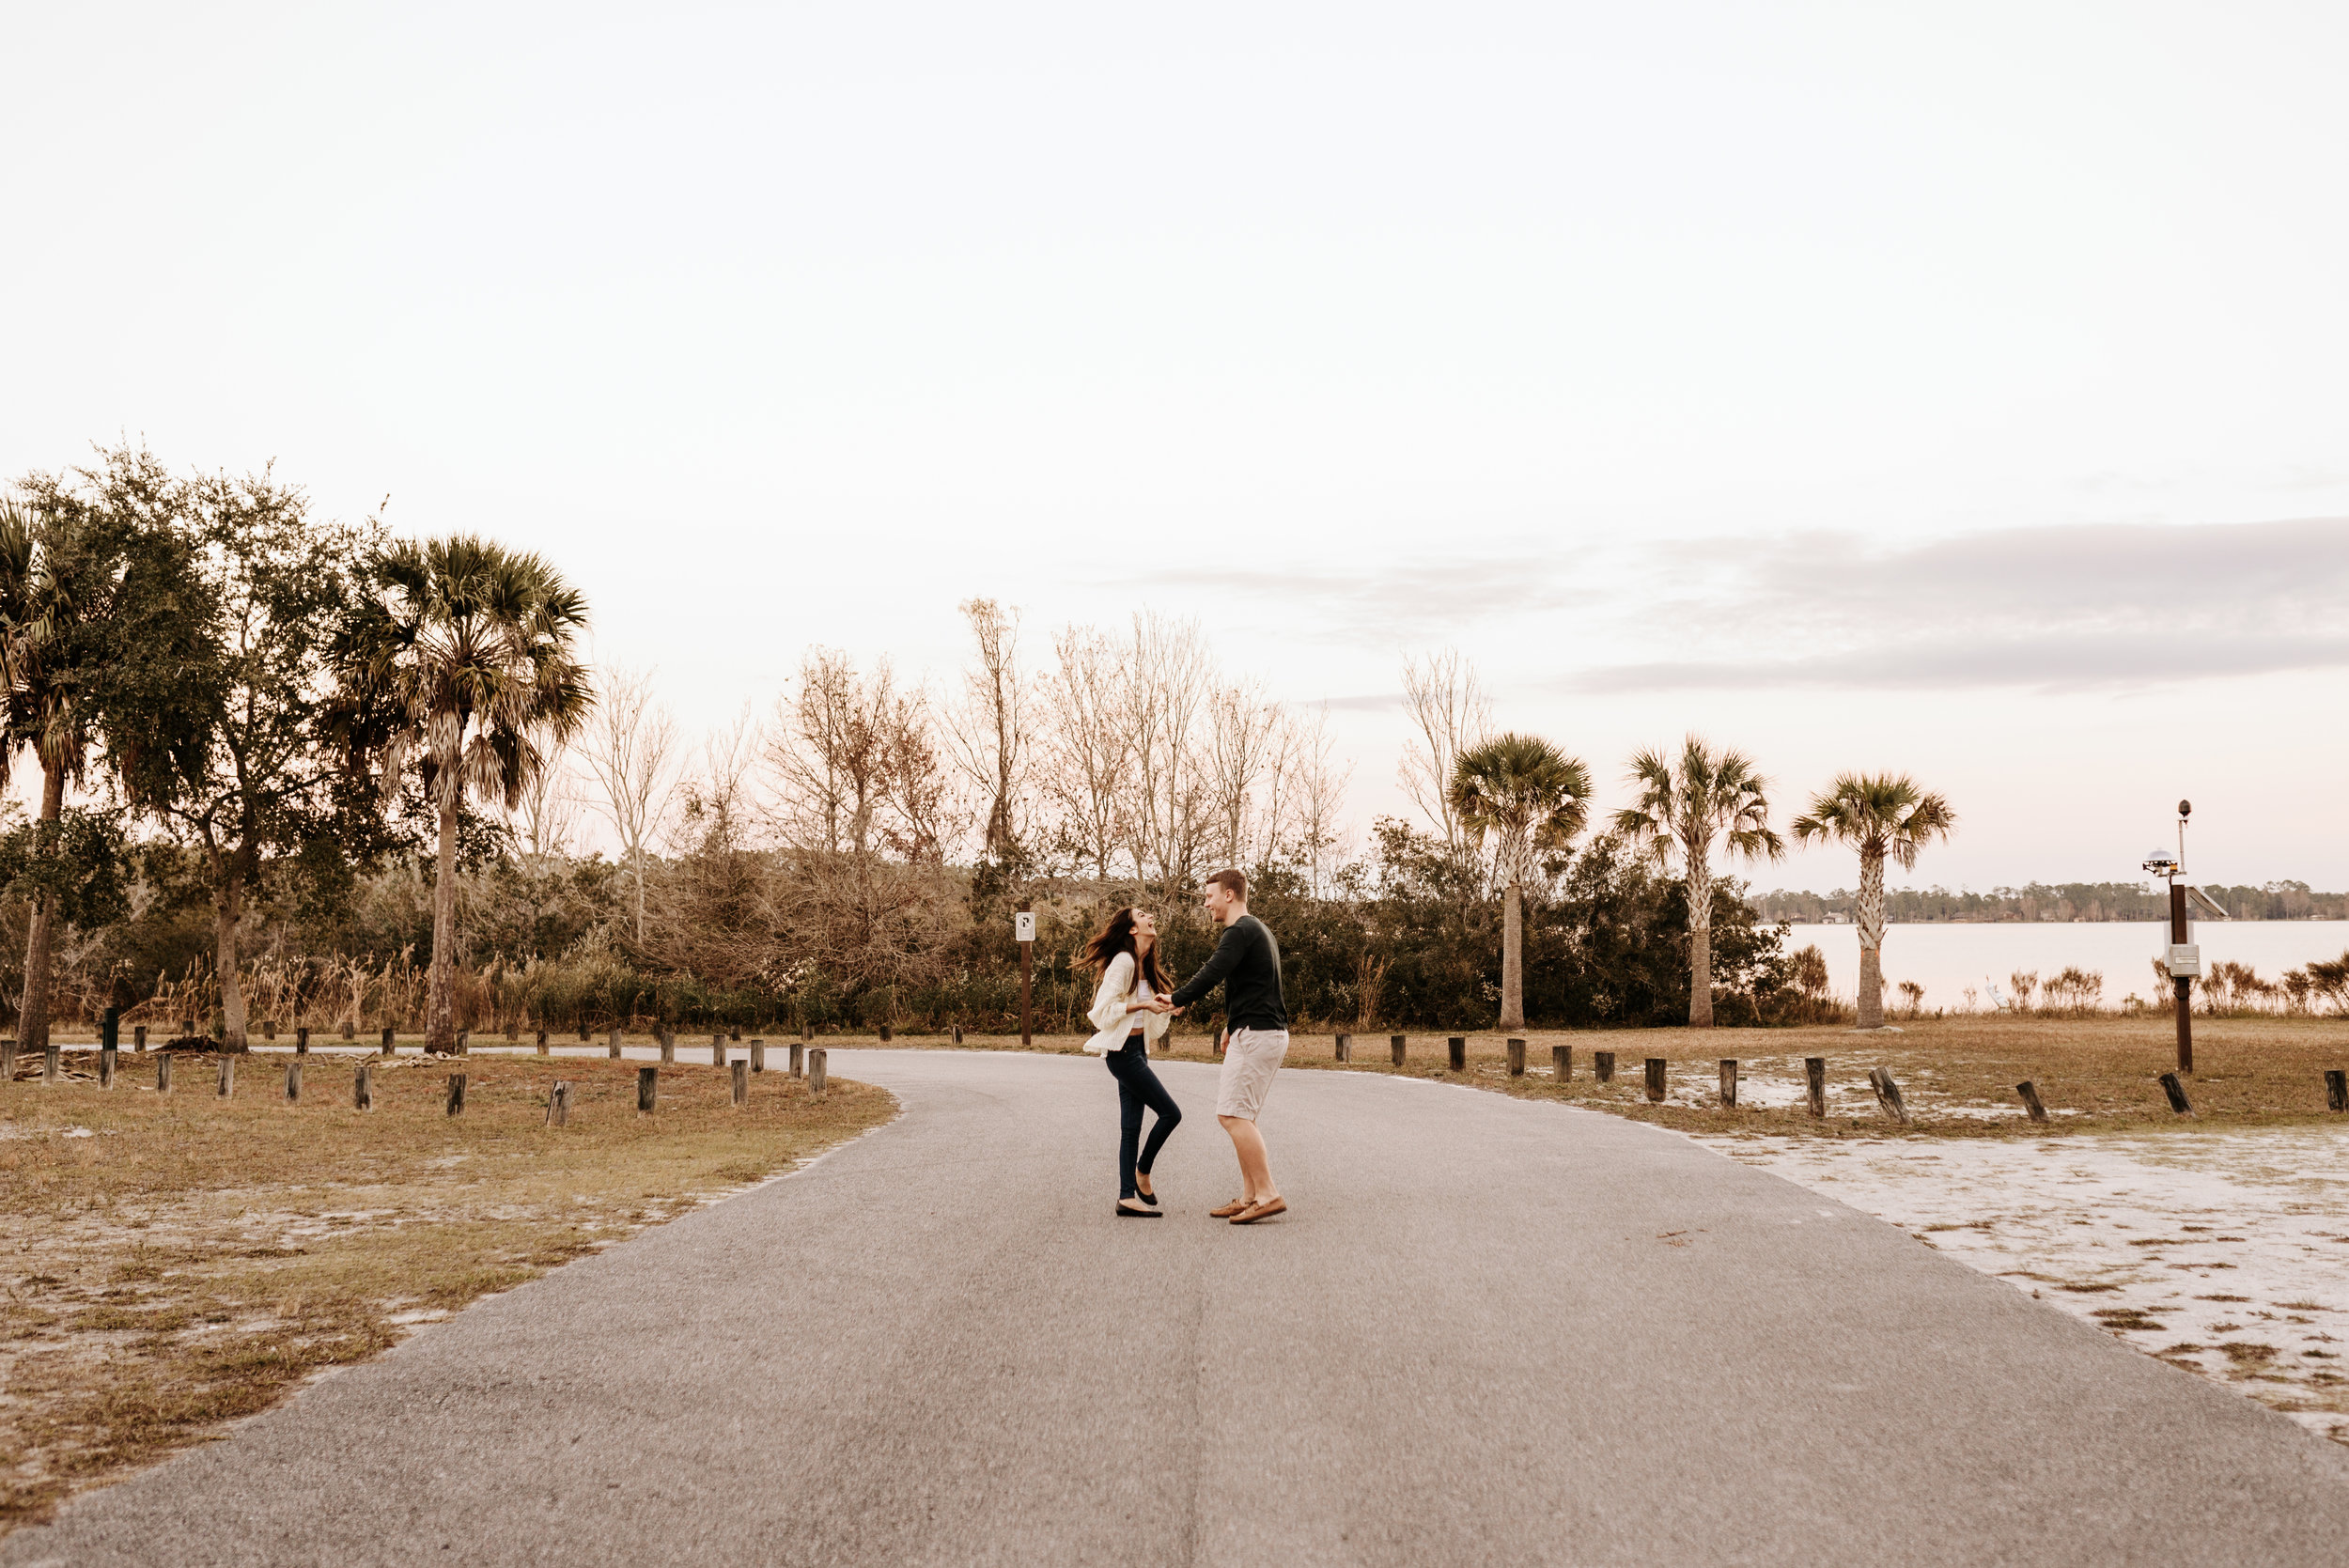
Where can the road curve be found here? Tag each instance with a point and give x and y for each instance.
(1490, 1331)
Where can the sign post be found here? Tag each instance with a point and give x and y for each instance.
(1023, 931)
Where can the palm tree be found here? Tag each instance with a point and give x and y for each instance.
(1531, 795)
(1880, 814)
(460, 657)
(44, 562)
(1686, 804)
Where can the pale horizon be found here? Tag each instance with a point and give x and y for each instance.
(1955, 395)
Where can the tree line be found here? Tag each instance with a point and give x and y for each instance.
(303, 771)
(2057, 901)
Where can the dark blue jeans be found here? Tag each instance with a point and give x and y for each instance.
(1136, 1087)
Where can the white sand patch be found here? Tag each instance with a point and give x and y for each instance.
(2223, 1252)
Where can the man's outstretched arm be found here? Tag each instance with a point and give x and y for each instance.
(1219, 963)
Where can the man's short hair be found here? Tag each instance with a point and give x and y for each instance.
(1237, 881)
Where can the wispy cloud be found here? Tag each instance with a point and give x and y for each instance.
(2057, 608)
(1386, 604)
(2054, 608)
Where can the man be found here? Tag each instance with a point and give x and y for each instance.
(1247, 963)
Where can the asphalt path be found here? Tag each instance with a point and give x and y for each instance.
(1488, 1332)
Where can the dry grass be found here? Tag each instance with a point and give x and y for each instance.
(177, 1261)
(1956, 1075)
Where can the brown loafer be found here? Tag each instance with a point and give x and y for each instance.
(1262, 1211)
(1228, 1210)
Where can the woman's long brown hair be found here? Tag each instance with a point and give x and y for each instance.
(1118, 936)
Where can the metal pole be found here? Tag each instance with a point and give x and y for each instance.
(2185, 1013)
(1026, 962)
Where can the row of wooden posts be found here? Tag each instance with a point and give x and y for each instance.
(808, 1061)
(1888, 1092)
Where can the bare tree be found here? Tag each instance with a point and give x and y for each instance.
(1083, 763)
(1447, 705)
(548, 818)
(1169, 681)
(986, 731)
(1245, 759)
(632, 752)
(1317, 795)
(829, 752)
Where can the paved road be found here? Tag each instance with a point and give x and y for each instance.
(1490, 1332)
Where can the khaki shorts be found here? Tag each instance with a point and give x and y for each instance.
(1250, 1057)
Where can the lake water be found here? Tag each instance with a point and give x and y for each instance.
(1946, 958)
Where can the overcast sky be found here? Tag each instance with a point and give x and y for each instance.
(1957, 389)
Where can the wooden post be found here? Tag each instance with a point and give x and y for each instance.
(293, 1081)
(734, 1035)
(8, 1061)
(1655, 1079)
(1729, 1082)
(163, 1072)
(1814, 1073)
(269, 1029)
(2185, 986)
(647, 1090)
(1561, 1063)
(2030, 1101)
(758, 1056)
(1603, 1066)
(1888, 1093)
(1026, 962)
(512, 1026)
(717, 1051)
(616, 1042)
(227, 1075)
(349, 1030)
(668, 1047)
(542, 1042)
(815, 1071)
(1455, 1049)
(1338, 1047)
(456, 1093)
(187, 1029)
(2337, 1090)
(957, 1034)
(887, 1034)
(1516, 1058)
(559, 1104)
(741, 1083)
(2176, 1091)
(138, 1037)
(585, 1034)
(464, 1042)
(106, 1068)
(302, 1041)
(363, 1087)
(389, 1048)
(52, 1064)
(799, 1061)
(805, 1034)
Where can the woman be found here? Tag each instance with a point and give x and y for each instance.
(1128, 1014)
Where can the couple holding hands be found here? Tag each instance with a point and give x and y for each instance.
(1130, 1007)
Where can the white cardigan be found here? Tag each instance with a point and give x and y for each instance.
(1120, 988)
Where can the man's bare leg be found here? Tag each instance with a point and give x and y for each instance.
(1255, 1168)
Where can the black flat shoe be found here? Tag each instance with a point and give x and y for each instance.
(1149, 1198)
(1125, 1213)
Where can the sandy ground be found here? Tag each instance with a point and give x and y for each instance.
(2226, 1254)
